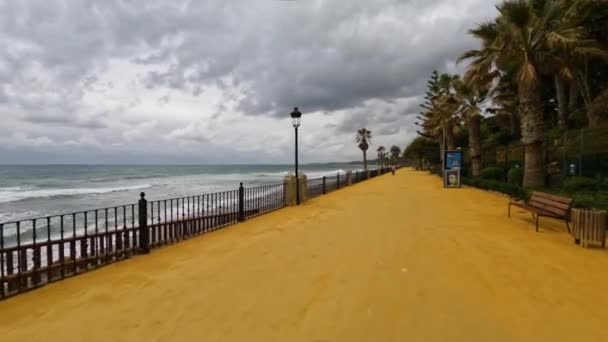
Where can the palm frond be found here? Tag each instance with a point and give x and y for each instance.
(468, 55)
(517, 12)
(564, 39)
(486, 31)
(528, 76)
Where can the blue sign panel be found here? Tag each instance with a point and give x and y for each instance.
(453, 160)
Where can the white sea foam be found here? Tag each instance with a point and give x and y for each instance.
(309, 174)
(13, 194)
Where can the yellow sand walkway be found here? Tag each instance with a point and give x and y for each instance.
(392, 259)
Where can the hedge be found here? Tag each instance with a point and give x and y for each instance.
(582, 184)
(516, 176)
(506, 188)
(493, 173)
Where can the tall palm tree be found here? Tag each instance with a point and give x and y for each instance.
(381, 153)
(364, 139)
(505, 104)
(569, 66)
(523, 40)
(471, 97)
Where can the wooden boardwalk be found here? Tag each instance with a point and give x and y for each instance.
(396, 258)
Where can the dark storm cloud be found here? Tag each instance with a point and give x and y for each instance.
(331, 57)
(364, 60)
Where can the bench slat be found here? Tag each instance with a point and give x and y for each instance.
(548, 208)
(551, 203)
(532, 209)
(556, 198)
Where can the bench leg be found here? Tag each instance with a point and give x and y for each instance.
(568, 226)
(537, 217)
(509, 211)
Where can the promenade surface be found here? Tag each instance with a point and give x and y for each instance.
(396, 258)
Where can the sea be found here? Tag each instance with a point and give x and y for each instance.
(31, 191)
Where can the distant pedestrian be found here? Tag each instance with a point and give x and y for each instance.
(393, 168)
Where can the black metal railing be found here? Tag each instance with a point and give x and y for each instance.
(263, 199)
(39, 251)
(42, 250)
(316, 187)
(326, 184)
(333, 183)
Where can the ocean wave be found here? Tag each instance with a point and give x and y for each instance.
(14, 194)
(309, 174)
(112, 179)
(15, 216)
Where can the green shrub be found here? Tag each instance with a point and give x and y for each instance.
(493, 173)
(435, 170)
(581, 184)
(506, 188)
(583, 201)
(516, 176)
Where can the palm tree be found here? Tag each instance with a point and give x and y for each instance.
(505, 104)
(569, 67)
(381, 153)
(471, 96)
(364, 139)
(522, 41)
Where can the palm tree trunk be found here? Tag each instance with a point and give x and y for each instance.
(449, 137)
(534, 174)
(572, 98)
(365, 160)
(562, 106)
(475, 144)
(532, 134)
(513, 122)
(593, 121)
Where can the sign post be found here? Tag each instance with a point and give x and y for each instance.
(452, 166)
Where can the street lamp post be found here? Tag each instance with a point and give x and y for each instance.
(296, 120)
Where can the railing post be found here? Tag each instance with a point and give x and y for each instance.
(144, 233)
(338, 181)
(324, 190)
(241, 203)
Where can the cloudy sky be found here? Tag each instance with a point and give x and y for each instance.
(214, 81)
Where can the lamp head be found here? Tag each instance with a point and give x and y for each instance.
(296, 117)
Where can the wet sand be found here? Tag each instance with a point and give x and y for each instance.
(396, 258)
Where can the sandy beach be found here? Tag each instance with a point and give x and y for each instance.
(396, 258)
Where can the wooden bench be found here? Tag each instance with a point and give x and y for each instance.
(546, 205)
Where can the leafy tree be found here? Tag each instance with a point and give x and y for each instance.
(381, 155)
(421, 150)
(438, 120)
(395, 154)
